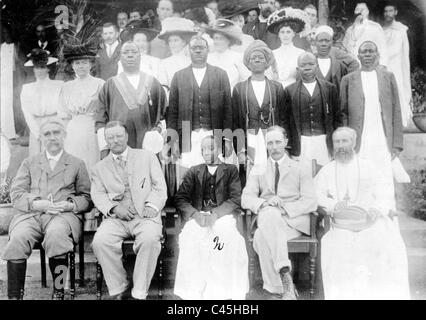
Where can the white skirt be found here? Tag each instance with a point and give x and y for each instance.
(204, 272)
(370, 264)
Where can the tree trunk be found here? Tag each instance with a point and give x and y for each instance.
(323, 11)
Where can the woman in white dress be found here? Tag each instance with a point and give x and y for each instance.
(225, 33)
(176, 32)
(141, 33)
(39, 99)
(286, 23)
(78, 105)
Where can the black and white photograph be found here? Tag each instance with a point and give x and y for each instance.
(225, 151)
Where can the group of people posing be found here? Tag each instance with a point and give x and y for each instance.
(106, 143)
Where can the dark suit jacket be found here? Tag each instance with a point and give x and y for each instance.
(331, 111)
(353, 103)
(181, 98)
(35, 180)
(107, 67)
(349, 61)
(255, 29)
(337, 69)
(189, 198)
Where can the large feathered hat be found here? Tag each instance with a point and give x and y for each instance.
(79, 51)
(144, 25)
(296, 19)
(39, 58)
(230, 10)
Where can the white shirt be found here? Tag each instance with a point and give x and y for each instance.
(133, 79)
(199, 74)
(110, 48)
(123, 155)
(212, 169)
(310, 87)
(324, 65)
(42, 45)
(259, 90)
(53, 160)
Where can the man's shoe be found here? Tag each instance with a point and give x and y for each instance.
(16, 279)
(125, 295)
(288, 286)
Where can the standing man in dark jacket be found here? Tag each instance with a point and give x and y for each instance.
(370, 104)
(315, 108)
(108, 57)
(200, 101)
(257, 104)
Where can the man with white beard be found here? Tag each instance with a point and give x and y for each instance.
(363, 256)
(399, 58)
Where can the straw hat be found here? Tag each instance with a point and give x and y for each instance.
(143, 25)
(353, 218)
(177, 26)
(228, 28)
(39, 58)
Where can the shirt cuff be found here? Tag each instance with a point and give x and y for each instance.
(149, 204)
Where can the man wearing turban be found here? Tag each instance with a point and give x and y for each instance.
(257, 104)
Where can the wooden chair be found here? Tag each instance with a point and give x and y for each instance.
(301, 245)
(127, 247)
(71, 262)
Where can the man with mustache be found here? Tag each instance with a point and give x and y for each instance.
(133, 97)
(363, 256)
(48, 192)
(282, 197)
(109, 55)
(370, 104)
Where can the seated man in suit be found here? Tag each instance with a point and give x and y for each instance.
(128, 187)
(213, 261)
(282, 197)
(48, 192)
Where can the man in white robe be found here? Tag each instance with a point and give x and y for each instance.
(399, 58)
(365, 263)
(363, 30)
(213, 262)
(370, 105)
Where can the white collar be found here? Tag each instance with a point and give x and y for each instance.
(56, 158)
(212, 169)
(123, 154)
(280, 162)
(44, 44)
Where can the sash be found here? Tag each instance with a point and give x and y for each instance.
(134, 98)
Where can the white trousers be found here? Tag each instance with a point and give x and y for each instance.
(205, 272)
(314, 147)
(107, 248)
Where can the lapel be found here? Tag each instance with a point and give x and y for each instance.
(130, 160)
(295, 103)
(61, 165)
(220, 172)
(210, 73)
(284, 168)
(44, 164)
(357, 89)
(382, 88)
(200, 175)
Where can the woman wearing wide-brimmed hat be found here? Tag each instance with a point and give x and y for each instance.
(39, 99)
(225, 33)
(141, 32)
(176, 32)
(78, 104)
(286, 23)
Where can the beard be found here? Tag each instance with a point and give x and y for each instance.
(344, 154)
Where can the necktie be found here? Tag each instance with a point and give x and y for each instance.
(277, 177)
(120, 162)
(52, 163)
